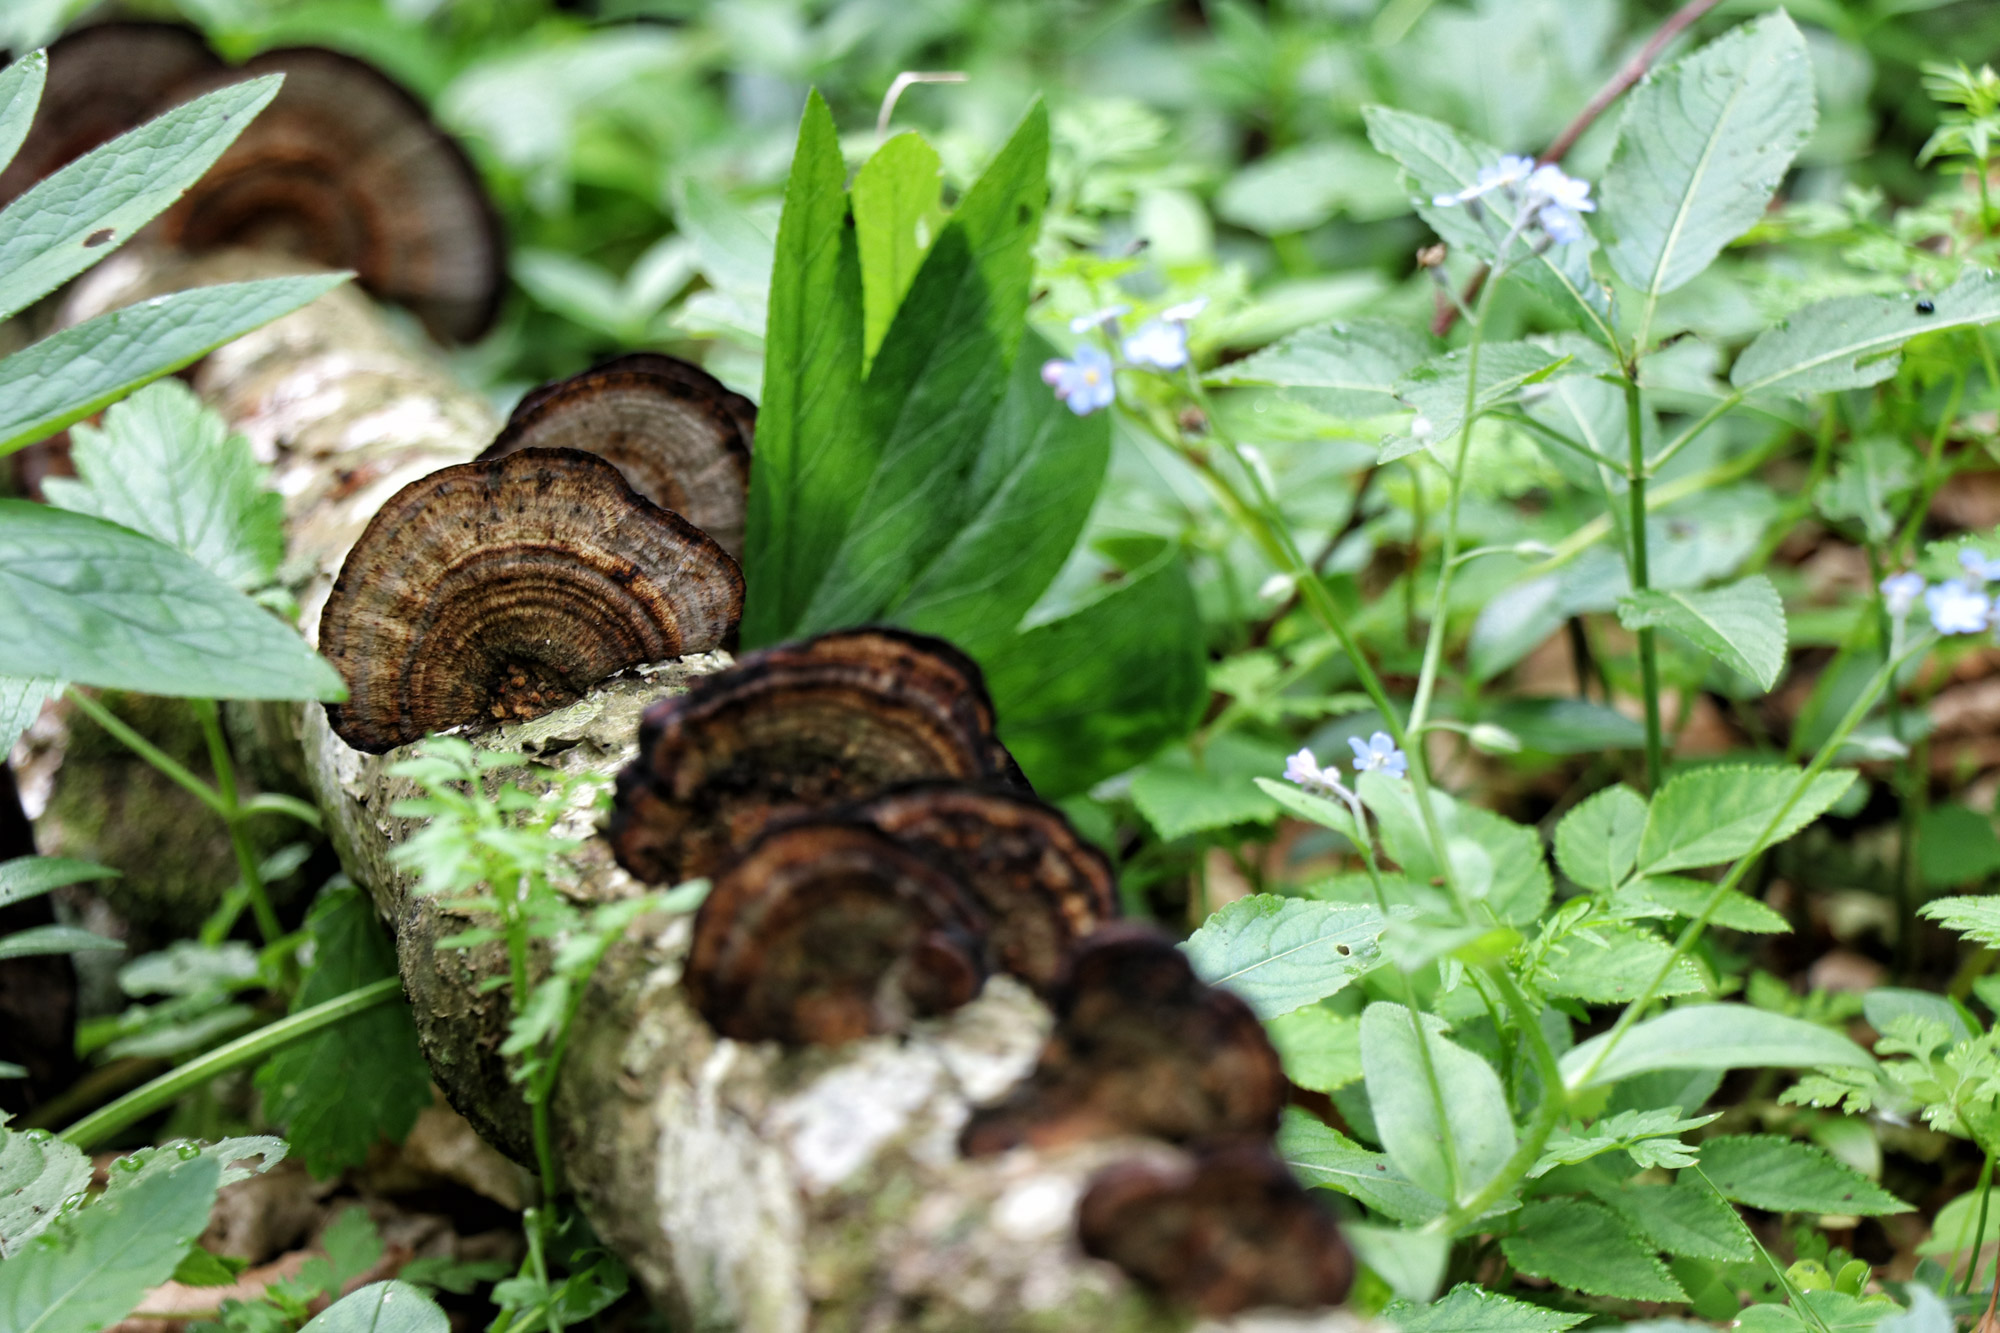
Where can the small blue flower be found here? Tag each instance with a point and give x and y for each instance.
(1158, 344)
(1957, 607)
(1303, 768)
(1099, 318)
(1379, 752)
(1508, 172)
(1985, 568)
(1557, 200)
(1084, 384)
(1901, 591)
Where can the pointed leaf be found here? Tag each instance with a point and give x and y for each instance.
(1671, 895)
(38, 1174)
(27, 877)
(1711, 1036)
(1741, 625)
(381, 1307)
(41, 940)
(897, 214)
(1597, 843)
(20, 93)
(21, 700)
(1713, 815)
(1407, 1109)
(1281, 953)
(1583, 1246)
(1850, 342)
(1686, 1219)
(1470, 1308)
(1323, 1156)
(1344, 367)
(1785, 1176)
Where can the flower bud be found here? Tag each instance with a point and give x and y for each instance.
(1490, 739)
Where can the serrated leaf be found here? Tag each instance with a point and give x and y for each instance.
(381, 1307)
(1701, 149)
(1475, 1113)
(1850, 342)
(20, 93)
(1670, 895)
(1583, 1246)
(1322, 1156)
(1598, 842)
(897, 214)
(1347, 368)
(1712, 1036)
(38, 1173)
(39, 941)
(1785, 1176)
(69, 375)
(93, 1266)
(1614, 964)
(1321, 1049)
(1470, 1308)
(1513, 872)
(1687, 1219)
(27, 877)
(1650, 1137)
(1281, 953)
(1742, 625)
(1713, 815)
(1976, 918)
(119, 610)
(1178, 801)
(1437, 388)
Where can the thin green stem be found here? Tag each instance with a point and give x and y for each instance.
(247, 867)
(142, 1101)
(1979, 1232)
(1934, 476)
(1688, 434)
(145, 749)
(1555, 1101)
(1642, 578)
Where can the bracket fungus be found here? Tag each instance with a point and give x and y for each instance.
(1042, 886)
(681, 438)
(826, 932)
(505, 589)
(1226, 1231)
(794, 728)
(1141, 1046)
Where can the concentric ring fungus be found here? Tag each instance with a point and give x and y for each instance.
(828, 931)
(500, 590)
(1226, 1231)
(1140, 1046)
(676, 433)
(793, 729)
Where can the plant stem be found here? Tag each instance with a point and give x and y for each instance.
(147, 751)
(1979, 1233)
(142, 1101)
(233, 816)
(1642, 579)
(1555, 1101)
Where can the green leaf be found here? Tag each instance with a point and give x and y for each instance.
(1495, 859)
(1321, 1049)
(1869, 485)
(1701, 149)
(1411, 1262)
(1178, 800)
(382, 1307)
(1471, 1308)
(81, 370)
(1613, 964)
(40, 940)
(1281, 953)
(1713, 815)
(1322, 1156)
(1101, 689)
(27, 877)
(1850, 342)
(1670, 896)
(1583, 1246)
(38, 1175)
(372, 1057)
(1741, 625)
(1686, 1218)
(115, 609)
(897, 214)
(21, 700)
(1956, 847)
(67, 222)
(1037, 473)
(1598, 842)
(167, 466)
(1436, 389)
(1346, 368)
(1978, 919)
(20, 93)
(1474, 1105)
(93, 1265)
(1651, 1138)
(1313, 808)
(1785, 1176)
(1713, 1036)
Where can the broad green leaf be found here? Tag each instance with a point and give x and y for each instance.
(1956, 846)
(1568, 726)
(115, 609)
(1597, 843)
(1281, 953)
(381, 1307)
(1955, 1225)
(1297, 189)
(1850, 342)
(1785, 1176)
(1614, 964)
(1347, 368)
(1701, 148)
(1101, 689)
(20, 93)
(1885, 1004)
(1474, 1105)
(804, 491)
(1712, 1036)
(1436, 389)
(1314, 808)
(1496, 861)
(1583, 1246)
(1322, 1156)
(1321, 1049)
(1978, 919)
(38, 1174)
(40, 940)
(1178, 799)
(1471, 1308)
(70, 220)
(1037, 473)
(1713, 815)
(1670, 896)
(27, 877)
(93, 1265)
(1411, 1262)
(897, 214)
(21, 700)
(1741, 625)
(1686, 1219)
(372, 1056)
(165, 465)
(81, 370)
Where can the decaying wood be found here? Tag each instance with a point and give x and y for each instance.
(747, 1187)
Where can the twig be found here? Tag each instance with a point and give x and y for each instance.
(1614, 88)
(905, 80)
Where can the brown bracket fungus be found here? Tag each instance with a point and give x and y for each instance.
(795, 728)
(1042, 886)
(502, 590)
(1229, 1230)
(1140, 1046)
(827, 932)
(680, 437)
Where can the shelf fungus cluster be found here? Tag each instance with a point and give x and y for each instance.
(876, 856)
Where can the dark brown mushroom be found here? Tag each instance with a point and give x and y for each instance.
(1228, 1231)
(1140, 1046)
(826, 932)
(494, 591)
(795, 728)
(680, 437)
(1043, 887)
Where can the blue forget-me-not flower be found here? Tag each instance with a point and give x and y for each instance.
(1901, 591)
(1957, 607)
(1985, 568)
(1544, 196)
(1379, 752)
(1084, 383)
(1161, 343)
